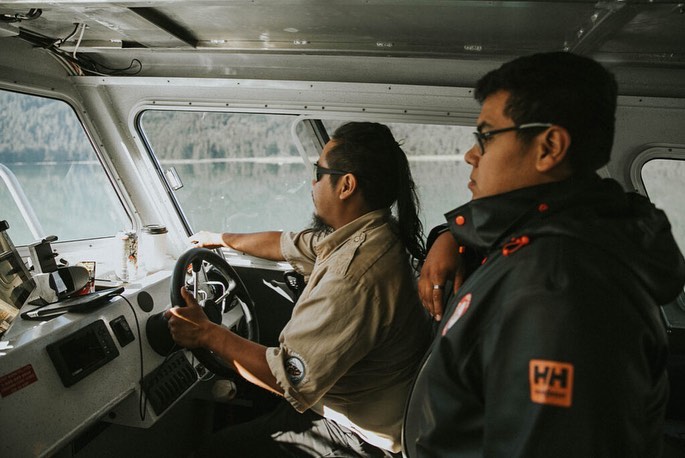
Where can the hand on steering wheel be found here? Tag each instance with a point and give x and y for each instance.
(226, 302)
(188, 324)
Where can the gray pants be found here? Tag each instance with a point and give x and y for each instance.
(284, 432)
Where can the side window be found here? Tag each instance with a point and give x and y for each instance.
(664, 181)
(436, 158)
(241, 172)
(51, 181)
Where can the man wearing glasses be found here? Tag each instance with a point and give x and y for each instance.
(347, 356)
(550, 343)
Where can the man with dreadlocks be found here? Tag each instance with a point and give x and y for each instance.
(347, 356)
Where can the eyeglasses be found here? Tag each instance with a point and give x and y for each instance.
(482, 137)
(318, 171)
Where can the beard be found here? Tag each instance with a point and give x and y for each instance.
(319, 226)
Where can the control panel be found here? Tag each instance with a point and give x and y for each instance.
(169, 381)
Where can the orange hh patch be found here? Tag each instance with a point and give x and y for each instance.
(551, 382)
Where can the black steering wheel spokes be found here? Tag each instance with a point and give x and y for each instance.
(222, 294)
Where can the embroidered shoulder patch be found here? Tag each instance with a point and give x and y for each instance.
(551, 382)
(294, 369)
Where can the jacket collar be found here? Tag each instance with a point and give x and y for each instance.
(488, 222)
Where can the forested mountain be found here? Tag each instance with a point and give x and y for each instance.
(34, 129)
(202, 135)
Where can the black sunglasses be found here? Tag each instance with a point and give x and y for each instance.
(482, 137)
(319, 171)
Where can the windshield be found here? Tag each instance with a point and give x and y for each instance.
(244, 172)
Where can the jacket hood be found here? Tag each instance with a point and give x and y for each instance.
(596, 211)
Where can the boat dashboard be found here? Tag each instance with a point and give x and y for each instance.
(79, 367)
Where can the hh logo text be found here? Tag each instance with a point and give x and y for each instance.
(551, 382)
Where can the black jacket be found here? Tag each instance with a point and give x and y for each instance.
(554, 346)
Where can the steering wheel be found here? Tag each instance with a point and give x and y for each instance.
(221, 293)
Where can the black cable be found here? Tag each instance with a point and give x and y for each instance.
(142, 401)
(85, 63)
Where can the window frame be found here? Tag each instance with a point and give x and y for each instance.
(672, 152)
(657, 152)
(104, 162)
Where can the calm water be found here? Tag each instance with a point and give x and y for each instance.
(75, 201)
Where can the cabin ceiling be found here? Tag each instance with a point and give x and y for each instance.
(389, 41)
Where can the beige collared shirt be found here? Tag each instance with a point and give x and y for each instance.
(357, 333)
